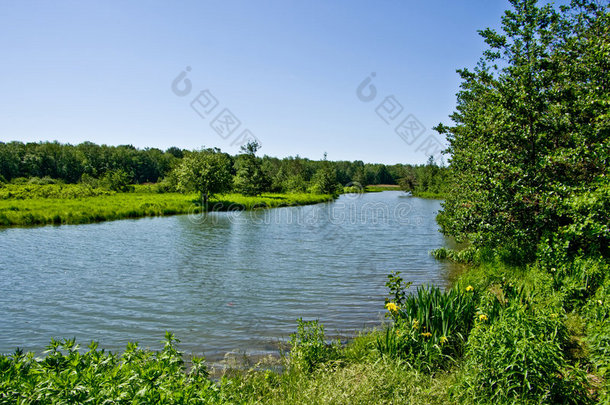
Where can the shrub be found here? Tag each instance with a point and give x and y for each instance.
(19, 180)
(137, 376)
(519, 358)
(43, 181)
(117, 180)
(468, 255)
(308, 347)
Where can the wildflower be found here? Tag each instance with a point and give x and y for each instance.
(415, 324)
(390, 306)
(599, 302)
(426, 334)
(443, 339)
(482, 317)
(553, 316)
(469, 288)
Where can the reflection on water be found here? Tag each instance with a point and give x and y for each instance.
(220, 282)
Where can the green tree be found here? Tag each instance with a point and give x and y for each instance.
(324, 181)
(531, 126)
(206, 171)
(250, 179)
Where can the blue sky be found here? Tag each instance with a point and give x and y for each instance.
(102, 71)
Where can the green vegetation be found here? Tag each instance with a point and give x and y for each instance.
(67, 376)
(381, 187)
(530, 197)
(78, 204)
(250, 179)
(118, 167)
(137, 376)
(207, 172)
(527, 322)
(425, 181)
(530, 138)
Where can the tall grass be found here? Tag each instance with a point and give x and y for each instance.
(431, 326)
(78, 204)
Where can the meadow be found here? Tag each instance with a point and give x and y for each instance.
(26, 205)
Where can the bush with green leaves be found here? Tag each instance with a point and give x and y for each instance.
(117, 180)
(65, 375)
(518, 358)
(308, 346)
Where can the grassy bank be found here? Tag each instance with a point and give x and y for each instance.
(374, 188)
(76, 204)
(501, 334)
(429, 195)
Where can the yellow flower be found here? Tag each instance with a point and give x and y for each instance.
(426, 334)
(443, 339)
(469, 288)
(391, 307)
(482, 317)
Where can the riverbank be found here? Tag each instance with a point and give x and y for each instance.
(429, 195)
(522, 349)
(76, 204)
(500, 334)
(394, 187)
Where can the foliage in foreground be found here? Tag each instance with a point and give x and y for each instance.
(349, 376)
(137, 376)
(430, 327)
(492, 341)
(519, 357)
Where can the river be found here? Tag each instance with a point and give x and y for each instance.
(232, 281)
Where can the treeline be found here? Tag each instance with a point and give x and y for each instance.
(70, 162)
(48, 162)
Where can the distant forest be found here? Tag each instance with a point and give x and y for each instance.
(51, 162)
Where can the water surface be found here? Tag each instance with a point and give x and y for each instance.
(221, 282)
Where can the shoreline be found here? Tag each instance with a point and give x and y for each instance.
(28, 212)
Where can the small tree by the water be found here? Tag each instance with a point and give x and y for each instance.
(207, 172)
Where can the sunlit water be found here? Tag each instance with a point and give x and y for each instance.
(221, 282)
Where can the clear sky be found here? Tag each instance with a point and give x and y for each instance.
(102, 71)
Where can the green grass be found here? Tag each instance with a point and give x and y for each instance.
(429, 195)
(381, 187)
(74, 204)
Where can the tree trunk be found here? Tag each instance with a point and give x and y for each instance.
(204, 202)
